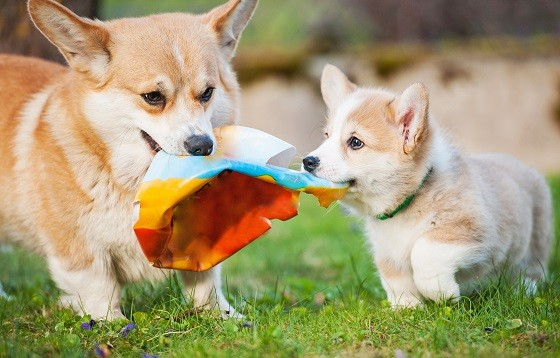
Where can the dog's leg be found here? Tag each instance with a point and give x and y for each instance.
(535, 262)
(3, 295)
(399, 285)
(434, 265)
(401, 291)
(93, 290)
(205, 290)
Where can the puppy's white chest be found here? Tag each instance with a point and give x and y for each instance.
(393, 238)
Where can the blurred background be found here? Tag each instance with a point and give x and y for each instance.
(492, 67)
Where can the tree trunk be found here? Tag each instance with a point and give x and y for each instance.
(18, 35)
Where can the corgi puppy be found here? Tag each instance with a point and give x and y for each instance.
(76, 142)
(438, 221)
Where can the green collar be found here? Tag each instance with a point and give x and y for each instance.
(406, 201)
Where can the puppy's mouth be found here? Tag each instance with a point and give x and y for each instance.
(154, 146)
(352, 183)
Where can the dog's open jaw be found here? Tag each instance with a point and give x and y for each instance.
(154, 146)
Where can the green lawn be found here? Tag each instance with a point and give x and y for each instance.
(308, 288)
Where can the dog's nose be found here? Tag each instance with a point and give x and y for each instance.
(311, 163)
(199, 145)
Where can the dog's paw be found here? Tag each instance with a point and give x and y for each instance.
(3, 294)
(108, 316)
(405, 301)
(115, 315)
(97, 310)
(528, 287)
(438, 287)
(230, 313)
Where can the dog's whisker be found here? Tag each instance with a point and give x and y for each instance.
(334, 205)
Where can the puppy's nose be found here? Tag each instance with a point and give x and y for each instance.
(311, 163)
(199, 145)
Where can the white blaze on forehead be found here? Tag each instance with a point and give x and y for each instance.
(330, 148)
(340, 118)
(178, 55)
(331, 153)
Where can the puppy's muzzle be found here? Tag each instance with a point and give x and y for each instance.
(199, 145)
(311, 163)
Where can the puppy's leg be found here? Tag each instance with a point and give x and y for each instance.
(536, 259)
(435, 264)
(399, 285)
(205, 290)
(3, 295)
(93, 290)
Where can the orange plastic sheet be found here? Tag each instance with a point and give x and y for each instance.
(195, 212)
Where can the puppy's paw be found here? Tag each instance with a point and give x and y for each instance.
(528, 286)
(436, 289)
(4, 295)
(406, 300)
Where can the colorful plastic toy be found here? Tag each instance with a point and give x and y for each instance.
(195, 212)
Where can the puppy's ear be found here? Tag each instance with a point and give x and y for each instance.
(81, 41)
(335, 86)
(412, 116)
(229, 21)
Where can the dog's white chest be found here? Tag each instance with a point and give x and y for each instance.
(393, 238)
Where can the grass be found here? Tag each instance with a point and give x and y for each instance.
(307, 288)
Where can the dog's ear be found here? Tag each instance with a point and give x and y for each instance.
(412, 116)
(229, 21)
(81, 41)
(335, 86)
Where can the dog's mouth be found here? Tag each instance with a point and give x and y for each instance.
(352, 183)
(154, 146)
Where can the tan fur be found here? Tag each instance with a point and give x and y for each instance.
(388, 269)
(472, 217)
(374, 133)
(73, 154)
(20, 78)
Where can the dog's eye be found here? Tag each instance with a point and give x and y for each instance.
(155, 98)
(326, 135)
(355, 143)
(206, 95)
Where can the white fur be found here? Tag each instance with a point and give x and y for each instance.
(29, 119)
(178, 56)
(336, 168)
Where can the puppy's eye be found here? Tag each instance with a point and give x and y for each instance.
(326, 135)
(155, 98)
(355, 143)
(206, 95)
